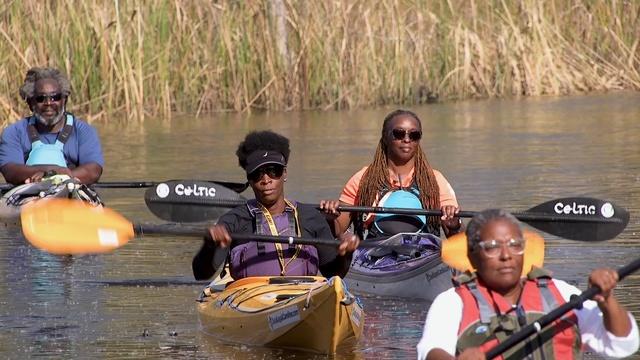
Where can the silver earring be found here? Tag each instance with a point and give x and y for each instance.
(285, 179)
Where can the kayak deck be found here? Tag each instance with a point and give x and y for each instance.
(417, 272)
(305, 313)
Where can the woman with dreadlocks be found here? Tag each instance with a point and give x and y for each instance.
(264, 156)
(399, 176)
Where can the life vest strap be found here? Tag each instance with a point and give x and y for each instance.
(63, 135)
(260, 221)
(486, 312)
(548, 300)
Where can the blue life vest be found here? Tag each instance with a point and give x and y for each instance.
(48, 154)
(390, 224)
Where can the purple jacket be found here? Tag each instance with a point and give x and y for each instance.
(262, 259)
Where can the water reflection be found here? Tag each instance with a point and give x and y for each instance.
(139, 302)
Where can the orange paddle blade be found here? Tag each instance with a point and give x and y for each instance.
(64, 226)
(454, 252)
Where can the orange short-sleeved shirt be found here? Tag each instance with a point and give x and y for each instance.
(447, 195)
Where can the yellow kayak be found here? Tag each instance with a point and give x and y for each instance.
(305, 313)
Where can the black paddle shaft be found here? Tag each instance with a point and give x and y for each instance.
(179, 230)
(524, 216)
(575, 302)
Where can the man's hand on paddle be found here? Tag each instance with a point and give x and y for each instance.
(38, 176)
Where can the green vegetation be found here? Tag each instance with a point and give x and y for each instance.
(155, 57)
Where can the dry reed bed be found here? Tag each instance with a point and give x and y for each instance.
(154, 57)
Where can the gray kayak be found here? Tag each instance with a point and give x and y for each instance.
(416, 272)
(56, 186)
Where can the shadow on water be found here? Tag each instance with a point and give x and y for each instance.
(139, 302)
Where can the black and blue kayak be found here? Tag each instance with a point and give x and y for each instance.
(414, 272)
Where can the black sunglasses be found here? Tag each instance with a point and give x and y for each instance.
(51, 97)
(273, 171)
(400, 134)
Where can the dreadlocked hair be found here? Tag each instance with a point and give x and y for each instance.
(262, 140)
(27, 90)
(376, 177)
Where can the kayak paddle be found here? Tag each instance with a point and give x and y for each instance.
(168, 196)
(235, 186)
(579, 218)
(64, 226)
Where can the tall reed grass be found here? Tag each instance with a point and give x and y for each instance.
(155, 57)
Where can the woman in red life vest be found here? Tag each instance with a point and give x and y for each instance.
(496, 300)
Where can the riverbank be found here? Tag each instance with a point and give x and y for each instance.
(155, 58)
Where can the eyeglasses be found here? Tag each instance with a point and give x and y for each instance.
(401, 134)
(51, 97)
(273, 171)
(492, 248)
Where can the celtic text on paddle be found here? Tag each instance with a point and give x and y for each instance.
(575, 209)
(194, 190)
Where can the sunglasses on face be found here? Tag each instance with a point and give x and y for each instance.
(272, 171)
(50, 97)
(492, 248)
(401, 134)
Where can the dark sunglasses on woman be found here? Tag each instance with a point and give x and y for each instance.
(401, 134)
(274, 171)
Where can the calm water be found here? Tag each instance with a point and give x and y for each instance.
(138, 302)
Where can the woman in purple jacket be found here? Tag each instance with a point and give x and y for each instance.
(264, 156)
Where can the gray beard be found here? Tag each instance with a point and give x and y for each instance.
(49, 123)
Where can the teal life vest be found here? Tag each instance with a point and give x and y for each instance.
(48, 154)
(390, 224)
(384, 225)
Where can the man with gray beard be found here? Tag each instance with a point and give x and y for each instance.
(51, 140)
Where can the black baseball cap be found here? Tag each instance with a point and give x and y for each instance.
(263, 157)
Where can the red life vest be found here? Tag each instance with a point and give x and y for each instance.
(488, 319)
